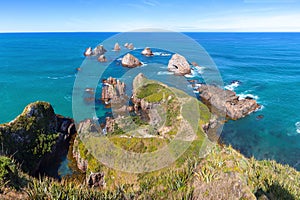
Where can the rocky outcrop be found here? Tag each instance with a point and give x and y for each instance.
(129, 46)
(88, 51)
(179, 65)
(96, 180)
(147, 52)
(227, 102)
(130, 61)
(102, 58)
(112, 89)
(117, 47)
(99, 50)
(38, 136)
(109, 125)
(82, 164)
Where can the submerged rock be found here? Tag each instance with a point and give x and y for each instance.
(179, 65)
(88, 51)
(117, 47)
(227, 102)
(130, 61)
(147, 52)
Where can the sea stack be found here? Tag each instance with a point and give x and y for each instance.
(117, 47)
(147, 52)
(130, 61)
(99, 50)
(88, 51)
(130, 46)
(102, 58)
(179, 65)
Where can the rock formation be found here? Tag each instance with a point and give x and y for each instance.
(179, 65)
(130, 61)
(110, 124)
(130, 46)
(38, 122)
(99, 50)
(117, 47)
(227, 102)
(82, 164)
(88, 51)
(112, 89)
(96, 180)
(102, 58)
(147, 52)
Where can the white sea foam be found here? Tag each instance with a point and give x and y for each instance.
(199, 69)
(60, 77)
(297, 124)
(161, 54)
(164, 73)
(244, 96)
(68, 98)
(193, 74)
(232, 86)
(195, 91)
(144, 64)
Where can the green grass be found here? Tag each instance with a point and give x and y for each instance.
(153, 92)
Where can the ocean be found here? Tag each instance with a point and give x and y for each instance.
(265, 66)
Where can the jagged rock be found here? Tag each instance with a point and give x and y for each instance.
(117, 47)
(99, 50)
(227, 102)
(130, 61)
(95, 180)
(130, 46)
(110, 124)
(88, 52)
(179, 65)
(147, 52)
(82, 164)
(126, 45)
(102, 58)
(112, 89)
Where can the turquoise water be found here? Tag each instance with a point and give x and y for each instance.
(42, 66)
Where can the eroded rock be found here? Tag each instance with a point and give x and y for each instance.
(130, 61)
(227, 102)
(179, 65)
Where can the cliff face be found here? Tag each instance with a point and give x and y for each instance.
(36, 135)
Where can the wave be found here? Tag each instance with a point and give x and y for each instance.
(164, 73)
(144, 64)
(68, 98)
(297, 124)
(232, 86)
(199, 69)
(244, 96)
(192, 75)
(161, 54)
(60, 77)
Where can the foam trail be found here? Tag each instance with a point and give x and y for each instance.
(232, 86)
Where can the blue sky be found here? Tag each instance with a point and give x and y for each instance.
(126, 15)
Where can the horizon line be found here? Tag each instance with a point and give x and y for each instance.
(3, 32)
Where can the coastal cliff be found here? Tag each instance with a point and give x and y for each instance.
(37, 135)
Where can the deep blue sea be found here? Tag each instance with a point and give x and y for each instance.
(42, 66)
